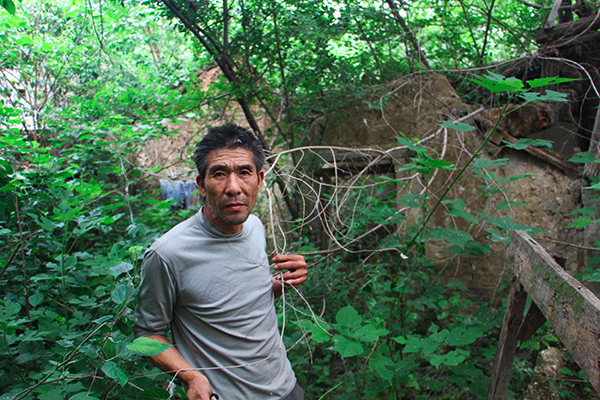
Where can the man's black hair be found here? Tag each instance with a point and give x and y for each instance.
(228, 136)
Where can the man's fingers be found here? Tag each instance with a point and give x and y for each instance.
(293, 266)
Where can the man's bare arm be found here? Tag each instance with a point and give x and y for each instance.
(172, 361)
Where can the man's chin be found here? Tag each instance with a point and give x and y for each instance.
(234, 218)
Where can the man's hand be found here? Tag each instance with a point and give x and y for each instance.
(172, 361)
(199, 388)
(296, 268)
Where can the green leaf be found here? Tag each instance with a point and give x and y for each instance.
(392, 180)
(317, 327)
(36, 299)
(410, 144)
(456, 209)
(370, 333)
(459, 126)
(507, 205)
(52, 394)
(383, 366)
(82, 396)
(347, 348)
(539, 82)
(148, 347)
(463, 335)
(452, 235)
(451, 358)
(486, 163)
(580, 222)
(595, 186)
(113, 371)
(498, 83)
(348, 317)
(523, 143)
(120, 268)
(584, 211)
(412, 200)
(154, 394)
(434, 163)
(121, 293)
(583, 158)
(9, 6)
(497, 237)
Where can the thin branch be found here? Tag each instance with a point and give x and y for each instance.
(487, 32)
(408, 33)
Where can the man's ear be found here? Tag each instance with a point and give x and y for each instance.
(201, 187)
(261, 178)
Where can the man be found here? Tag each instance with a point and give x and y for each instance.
(209, 279)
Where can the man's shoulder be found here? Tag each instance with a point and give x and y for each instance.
(254, 225)
(177, 235)
(253, 220)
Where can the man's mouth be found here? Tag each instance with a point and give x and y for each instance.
(235, 206)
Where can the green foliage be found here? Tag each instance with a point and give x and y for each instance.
(89, 83)
(71, 236)
(397, 330)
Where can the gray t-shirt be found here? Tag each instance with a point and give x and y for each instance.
(215, 291)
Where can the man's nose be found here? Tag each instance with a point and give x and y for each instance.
(233, 185)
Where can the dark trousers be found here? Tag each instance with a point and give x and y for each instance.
(295, 394)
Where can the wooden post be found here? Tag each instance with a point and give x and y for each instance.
(507, 346)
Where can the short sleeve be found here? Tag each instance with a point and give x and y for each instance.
(158, 293)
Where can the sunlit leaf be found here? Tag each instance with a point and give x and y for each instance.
(539, 82)
(148, 347)
(498, 83)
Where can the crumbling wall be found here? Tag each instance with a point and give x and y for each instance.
(546, 195)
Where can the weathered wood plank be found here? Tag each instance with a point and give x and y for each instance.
(532, 322)
(571, 308)
(507, 345)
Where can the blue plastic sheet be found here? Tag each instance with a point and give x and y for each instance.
(185, 193)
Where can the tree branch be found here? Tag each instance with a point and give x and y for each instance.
(409, 35)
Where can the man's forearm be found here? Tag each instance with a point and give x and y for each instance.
(172, 361)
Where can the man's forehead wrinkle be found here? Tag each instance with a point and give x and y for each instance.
(229, 166)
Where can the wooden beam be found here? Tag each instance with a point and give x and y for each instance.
(532, 322)
(549, 156)
(507, 345)
(571, 308)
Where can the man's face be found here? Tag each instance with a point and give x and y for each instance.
(231, 184)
